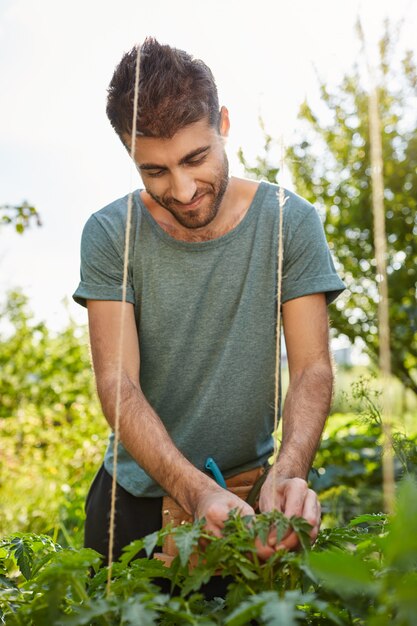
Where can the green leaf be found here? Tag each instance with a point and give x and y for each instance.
(186, 539)
(246, 611)
(236, 594)
(6, 583)
(24, 556)
(131, 551)
(282, 524)
(150, 541)
(343, 573)
(327, 610)
(278, 611)
(302, 528)
(247, 573)
(272, 609)
(198, 576)
(370, 519)
(86, 613)
(147, 569)
(263, 529)
(401, 543)
(135, 613)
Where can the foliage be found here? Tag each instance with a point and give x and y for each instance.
(20, 216)
(263, 167)
(348, 466)
(52, 438)
(330, 165)
(362, 574)
(403, 402)
(52, 435)
(38, 368)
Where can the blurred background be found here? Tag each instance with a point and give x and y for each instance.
(298, 73)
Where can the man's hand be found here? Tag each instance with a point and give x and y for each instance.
(215, 505)
(291, 496)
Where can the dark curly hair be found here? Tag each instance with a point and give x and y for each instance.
(174, 90)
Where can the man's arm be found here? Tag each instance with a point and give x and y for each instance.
(306, 407)
(141, 430)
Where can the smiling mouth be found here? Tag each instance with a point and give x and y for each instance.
(191, 205)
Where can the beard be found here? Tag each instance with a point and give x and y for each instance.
(206, 212)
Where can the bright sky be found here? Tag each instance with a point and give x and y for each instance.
(57, 149)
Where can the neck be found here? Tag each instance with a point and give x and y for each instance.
(233, 208)
(196, 234)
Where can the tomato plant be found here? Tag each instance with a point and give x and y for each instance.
(364, 573)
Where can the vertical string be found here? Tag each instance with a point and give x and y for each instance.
(122, 333)
(280, 254)
(380, 244)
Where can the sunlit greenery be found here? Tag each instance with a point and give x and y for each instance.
(52, 434)
(20, 216)
(330, 166)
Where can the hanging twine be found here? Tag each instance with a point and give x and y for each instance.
(280, 254)
(122, 334)
(380, 243)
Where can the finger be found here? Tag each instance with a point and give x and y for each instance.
(295, 496)
(246, 509)
(290, 542)
(216, 515)
(214, 530)
(312, 510)
(312, 513)
(215, 518)
(263, 551)
(272, 498)
(272, 538)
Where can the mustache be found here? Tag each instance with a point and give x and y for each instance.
(171, 201)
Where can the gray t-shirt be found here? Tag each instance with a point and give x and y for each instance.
(205, 313)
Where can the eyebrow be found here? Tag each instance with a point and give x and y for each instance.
(183, 160)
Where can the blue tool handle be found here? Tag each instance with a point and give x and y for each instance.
(212, 466)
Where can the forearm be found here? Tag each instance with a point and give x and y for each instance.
(305, 411)
(148, 442)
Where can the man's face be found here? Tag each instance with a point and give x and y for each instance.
(187, 174)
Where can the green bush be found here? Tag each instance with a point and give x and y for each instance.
(52, 433)
(362, 574)
(52, 439)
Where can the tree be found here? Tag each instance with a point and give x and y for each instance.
(39, 368)
(330, 165)
(21, 216)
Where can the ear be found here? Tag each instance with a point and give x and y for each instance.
(224, 123)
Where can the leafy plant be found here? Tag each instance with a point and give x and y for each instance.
(362, 574)
(348, 467)
(52, 433)
(330, 166)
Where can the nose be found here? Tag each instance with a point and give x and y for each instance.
(183, 187)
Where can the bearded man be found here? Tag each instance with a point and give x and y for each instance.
(198, 364)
